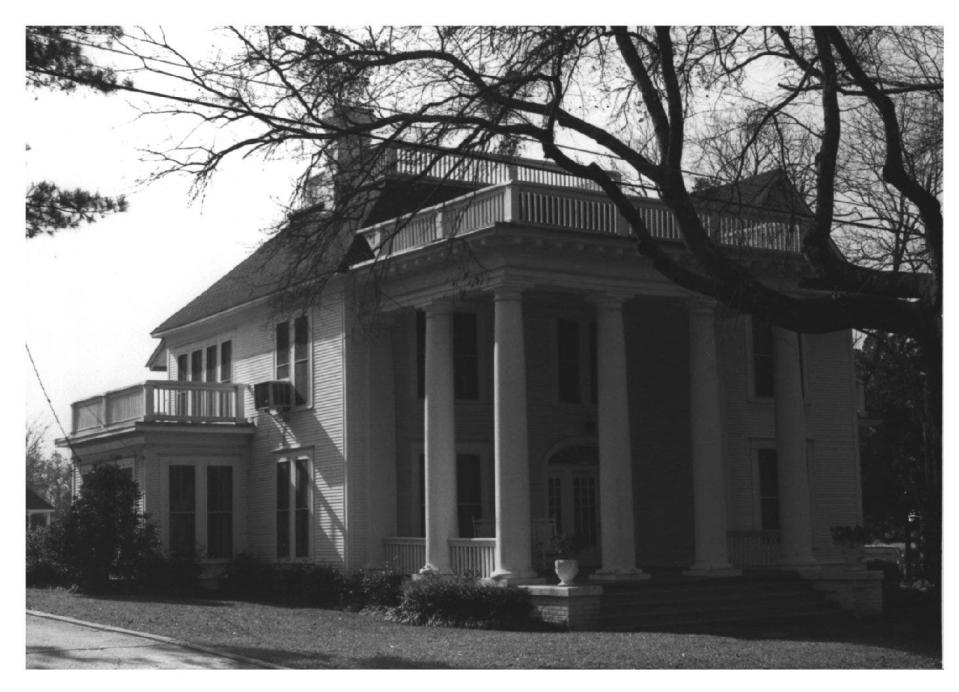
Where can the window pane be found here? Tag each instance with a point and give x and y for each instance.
(283, 509)
(182, 367)
(302, 507)
(465, 356)
(555, 490)
(584, 509)
(210, 364)
(593, 371)
(283, 351)
(219, 493)
(226, 361)
(300, 338)
(762, 358)
(567, 360)
(196, 366)
(768, 475)
(301, 382)
(182, 509)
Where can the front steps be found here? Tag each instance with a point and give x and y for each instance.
(676, 602)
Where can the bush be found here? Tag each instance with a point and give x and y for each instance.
(464, 603)
(247, 577)
(44, 565)
(379, 588)
(177, 573)
(105, 536)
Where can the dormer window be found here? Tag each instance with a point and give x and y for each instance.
(293, 357)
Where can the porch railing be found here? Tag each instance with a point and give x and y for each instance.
(580, 210)
(758, 549)
(160, 401)
(405, 555)
(472, 557)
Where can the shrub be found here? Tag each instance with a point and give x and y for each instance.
(380, 588)
(105, 535)
(44, 565)
(464, 602)
(248, 577)
(177, 573)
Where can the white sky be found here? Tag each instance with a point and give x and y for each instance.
(96, 292)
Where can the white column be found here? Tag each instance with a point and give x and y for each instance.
(513, 518)
(440, 435)
(795, 519)
(706, 441)
(615, 454)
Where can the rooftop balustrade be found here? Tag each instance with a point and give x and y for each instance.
(547, 206)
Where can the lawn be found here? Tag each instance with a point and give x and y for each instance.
(313, 638)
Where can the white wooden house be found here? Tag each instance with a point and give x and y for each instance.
(484, 374)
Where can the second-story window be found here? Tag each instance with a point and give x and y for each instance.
(568, 361)
(293, 357)
(466, 374)
(762, 337)
(465, 356)
(211, 364)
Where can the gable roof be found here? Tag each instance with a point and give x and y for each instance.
(771, 190)
(267, 271)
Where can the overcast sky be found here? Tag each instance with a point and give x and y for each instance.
(93, 294)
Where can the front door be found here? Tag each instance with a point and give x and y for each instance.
(573, 488)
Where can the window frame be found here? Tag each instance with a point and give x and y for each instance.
(587, 368)
(200, 466)
(487, 500)
(294, 487)
(292, 359)
(185, 360)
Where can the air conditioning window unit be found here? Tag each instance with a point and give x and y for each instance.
(275, 395)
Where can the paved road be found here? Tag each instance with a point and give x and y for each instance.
(56, 643)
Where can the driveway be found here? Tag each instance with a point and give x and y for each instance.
(54, 642)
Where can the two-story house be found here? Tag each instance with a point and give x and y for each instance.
(486, 373)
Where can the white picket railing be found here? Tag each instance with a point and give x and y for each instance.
(472, 557)
(584, 211)
(753, 548)
(405, 555)
(160, 401)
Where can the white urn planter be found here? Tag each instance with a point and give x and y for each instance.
(566, 570)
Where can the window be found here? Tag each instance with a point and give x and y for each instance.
(568, 361)
(474, 495)
(201, 365)
(762, 342)
(293, 357)
(768, 489)
(219, 511)
(573, 372)
(292, 508)
(465, 355)
(182, 509)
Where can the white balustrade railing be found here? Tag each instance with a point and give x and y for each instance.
(753, 548)
(160, 401)
(472, 557)
(405, 555)
(569, 209)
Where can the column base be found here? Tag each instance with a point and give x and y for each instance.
(708, 570)
(618, 575)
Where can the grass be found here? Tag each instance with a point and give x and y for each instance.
(314, 638)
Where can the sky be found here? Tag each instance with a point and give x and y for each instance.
(96, 292)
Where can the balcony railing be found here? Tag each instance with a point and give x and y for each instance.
(584, 211)
(167, 401)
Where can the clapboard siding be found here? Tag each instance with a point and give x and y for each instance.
(830, 431)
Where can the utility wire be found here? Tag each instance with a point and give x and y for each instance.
(50, 404)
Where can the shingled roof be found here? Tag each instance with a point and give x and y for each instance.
(771, 190)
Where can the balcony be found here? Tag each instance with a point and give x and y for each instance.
(159, 401)
(541, 204)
